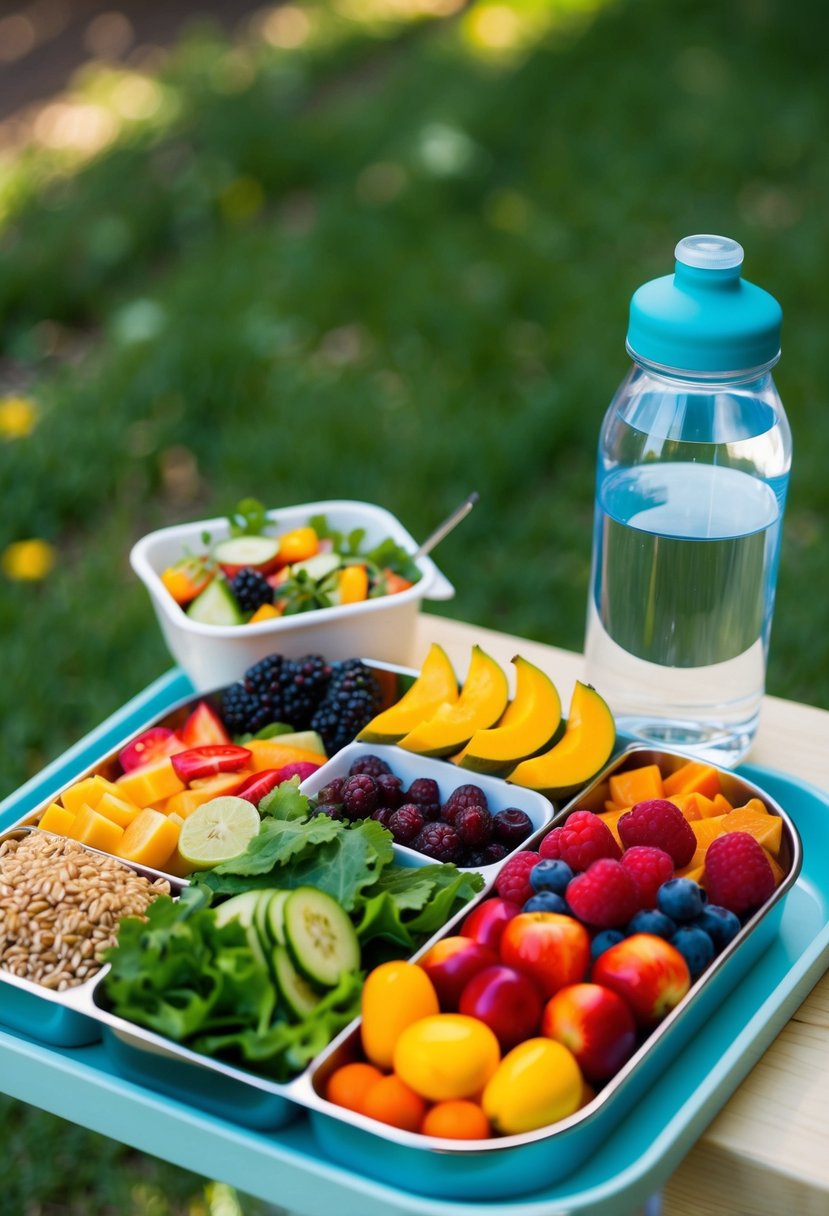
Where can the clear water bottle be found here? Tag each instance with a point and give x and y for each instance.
(693, 467)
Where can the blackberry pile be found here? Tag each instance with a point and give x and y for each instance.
(335, 699)
(351, 700)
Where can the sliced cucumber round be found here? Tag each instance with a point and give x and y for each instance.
(298, 997)
(216, 605)
(246, 551)
(268, 919)
(321, 938)
(242, 908)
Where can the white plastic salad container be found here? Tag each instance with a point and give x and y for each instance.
(215, 655)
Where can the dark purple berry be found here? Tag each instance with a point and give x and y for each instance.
(474, 825)
(439, 841)
(495, 852)
(332, 809)
(390, 789)
(359, 796)
(463, 796)
(424, 792)
(405, 823)
(333, 792)
(372, 765)
(512, 826)
(383, 814)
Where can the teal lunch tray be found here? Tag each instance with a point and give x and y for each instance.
(287, 1166)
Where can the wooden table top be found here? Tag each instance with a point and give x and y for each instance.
(767, 1152)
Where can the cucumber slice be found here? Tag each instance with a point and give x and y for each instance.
(298, 996)
(268, 918)
(242, 907)
(320, 936)
(216, 605)
(319, 566)
(246, 551)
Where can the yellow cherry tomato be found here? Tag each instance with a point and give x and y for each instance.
(537, 1083)
(298, 545)
(449, 1055)
(395, 994)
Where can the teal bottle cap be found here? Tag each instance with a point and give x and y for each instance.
(705, 318)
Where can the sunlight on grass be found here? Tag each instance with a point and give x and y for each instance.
(505, 30)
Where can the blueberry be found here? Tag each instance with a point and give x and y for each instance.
(604, 940)
(546, 901)
(680, 898)
(695, 946)
(720, 924)
(651, 920)
(550, 875)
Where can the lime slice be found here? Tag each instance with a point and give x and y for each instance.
(218, 830)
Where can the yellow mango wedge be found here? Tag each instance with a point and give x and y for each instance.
(528, 723)
(436, 685)
(482, 701)
(585, 747)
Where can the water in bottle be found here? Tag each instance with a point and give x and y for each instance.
(693, 466)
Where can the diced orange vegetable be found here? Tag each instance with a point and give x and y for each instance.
(89, 791)
(202, 790)
(765, 828)
(186, 578)
(693, 778)
(96, 830)
(119, 810)
(56, 819)
(298, 545)
(636, 785)
(352, 584)
(395, 582)
(150, 839)
(265, 612)
(151, 783)
(694, 805)
(756, 805)
(270, 753)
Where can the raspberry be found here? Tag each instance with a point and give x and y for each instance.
(439, 841)
(332, 809)
(650, 867)
(464, 795)
(660, 823)
(550, 845)
(512, 826)
(405, 823)
(333, 792)
(737, 872)
(474, 825)
(383, 814)
(605, 895)
(424, 792)
(372, 765)
(584, 838)
(513, 881)
(487, 856)
(359, 796)
(389, 789)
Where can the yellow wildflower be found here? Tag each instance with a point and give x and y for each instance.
(18, 416)
(28, 560)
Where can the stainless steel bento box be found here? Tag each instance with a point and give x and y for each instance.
(512, 1165)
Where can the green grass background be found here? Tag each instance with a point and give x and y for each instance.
(393, 263)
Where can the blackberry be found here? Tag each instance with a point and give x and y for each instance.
(405, 823)
(264, 681)
(251, 589)
(373, 765)
(302, 686)
(350, 702)
(240, 710)
(439, 841)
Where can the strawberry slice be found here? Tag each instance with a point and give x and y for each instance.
(257, 785)
(203, 727)
(214, 758)
(152, 744)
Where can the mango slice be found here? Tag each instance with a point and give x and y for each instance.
(436, 685)
(482, 701)
(149, 840)
(96, 830)
(636, 785)
(56, 819)
(149, 784)
(587, 745)
(528, 723)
